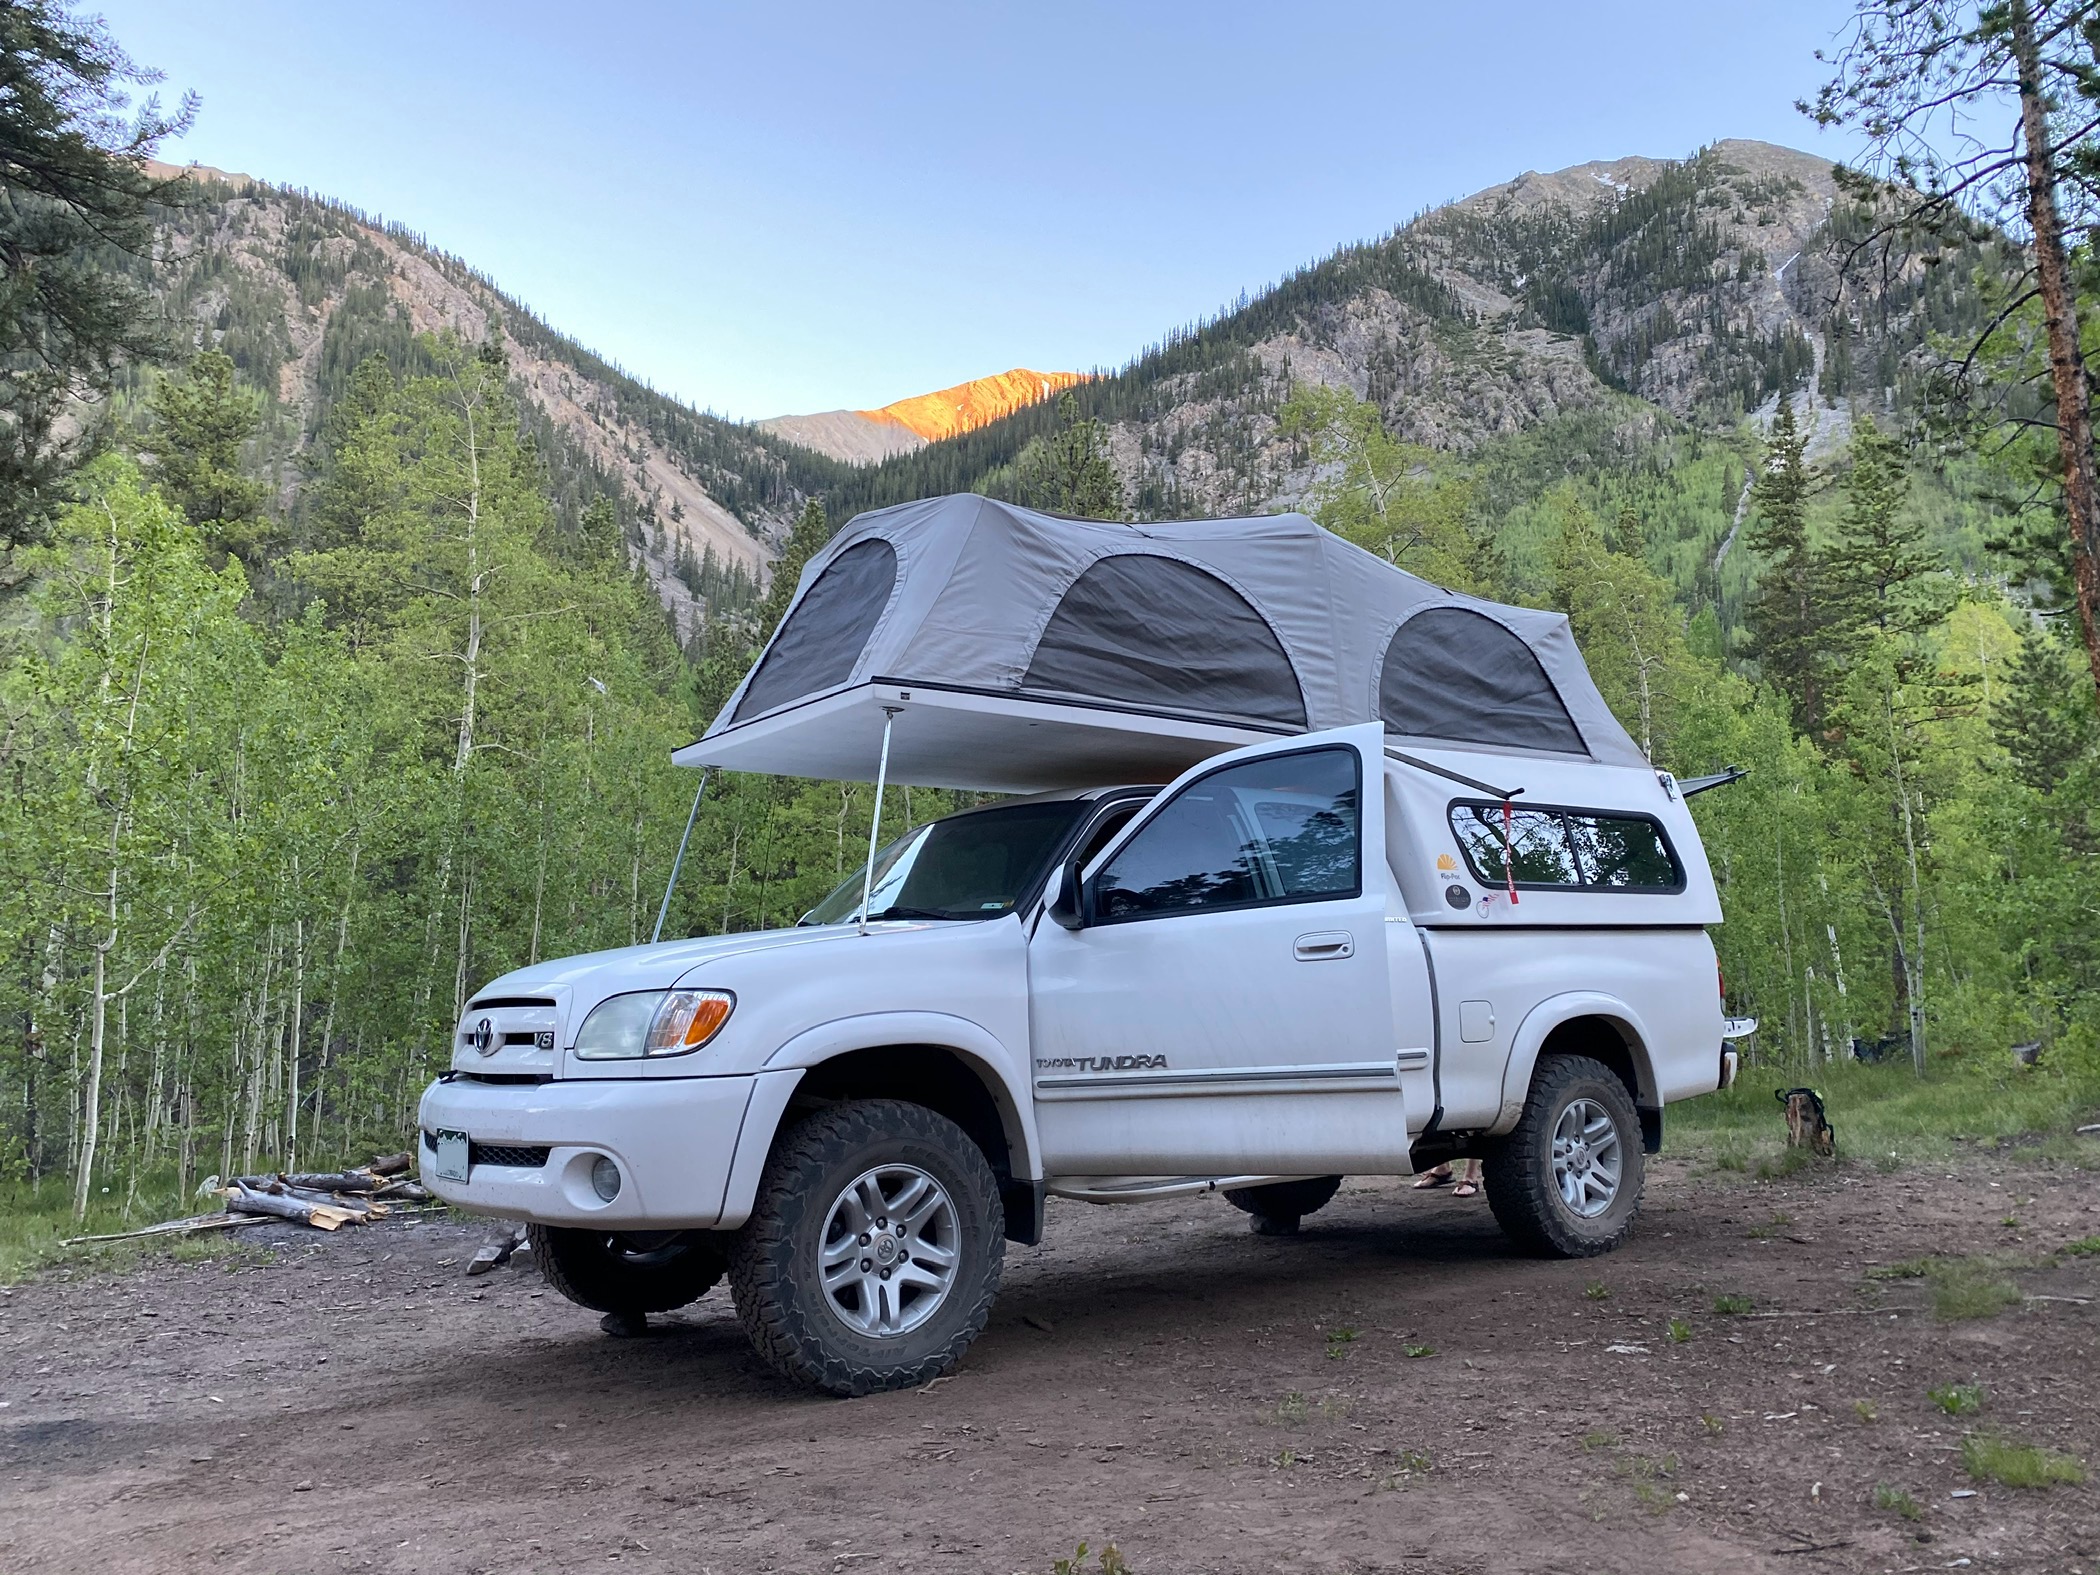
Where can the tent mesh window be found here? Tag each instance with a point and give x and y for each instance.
(1451, 673)
(1156, 632)
(822, 639)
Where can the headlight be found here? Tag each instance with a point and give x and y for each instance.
(652, 1023)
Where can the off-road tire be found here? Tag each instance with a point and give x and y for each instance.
(1519, 1168)
(600, 1270)
(773, 1260)
(1279, 1206)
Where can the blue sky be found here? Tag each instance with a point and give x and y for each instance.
(777, 208)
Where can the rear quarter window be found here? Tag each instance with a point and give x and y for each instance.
(1558, 849)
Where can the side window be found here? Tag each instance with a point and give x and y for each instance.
(1105, 829)
(1567, 847)
(1280, 829)
(1623, 852)
(1538, 845)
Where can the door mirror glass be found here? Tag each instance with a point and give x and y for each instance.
(1278, 829)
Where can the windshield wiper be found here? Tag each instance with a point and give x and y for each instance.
(910, 913)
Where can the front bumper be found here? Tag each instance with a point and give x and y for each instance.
(674, 1140)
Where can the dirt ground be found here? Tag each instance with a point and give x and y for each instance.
(1389, 1391)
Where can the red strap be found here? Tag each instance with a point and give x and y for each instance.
(1509, 863)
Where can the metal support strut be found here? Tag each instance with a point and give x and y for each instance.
(671, 885)
(882, 777)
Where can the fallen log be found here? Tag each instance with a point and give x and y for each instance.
(334, 1180)
(196, 1222)
(362, 1207)
(327, 1216)
(407, 1191)
(391, 1165)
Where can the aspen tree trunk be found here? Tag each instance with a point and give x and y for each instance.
(335, 981)
(1913, 966)
(291, 1102)
(2067, 371)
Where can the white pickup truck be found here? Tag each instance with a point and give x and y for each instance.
(1334, 949)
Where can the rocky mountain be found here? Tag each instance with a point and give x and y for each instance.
(298, 290)
(867, 436)
(1649, 294)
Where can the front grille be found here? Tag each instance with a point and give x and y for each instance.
(519, 1156)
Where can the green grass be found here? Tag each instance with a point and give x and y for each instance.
(1338, 1343)
(34, 1221)
(1957, 1399)
(2084, 1247)
(1412, 1349)
(1885, 1110)
(1897, 1499)
(1597, 1291)
(1108, 1560)
(1680, 1331)
(1971, 1288)
(1866, 1410)
(1990, 1458)
(1962, 1288)
(1730, 1305)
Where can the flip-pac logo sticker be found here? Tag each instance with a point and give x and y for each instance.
(1446, 864)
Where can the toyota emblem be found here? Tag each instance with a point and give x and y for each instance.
(483, 1038)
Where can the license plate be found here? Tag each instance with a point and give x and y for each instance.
(451, 1155)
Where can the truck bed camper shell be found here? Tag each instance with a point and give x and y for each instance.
(1039, 652)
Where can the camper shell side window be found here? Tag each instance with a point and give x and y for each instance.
(1561, 848)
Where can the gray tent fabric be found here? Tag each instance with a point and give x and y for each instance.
(1155, 631)
(825, 631)
(1455, 673)
(995, 600)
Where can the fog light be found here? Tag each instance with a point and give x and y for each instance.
(605, 1178)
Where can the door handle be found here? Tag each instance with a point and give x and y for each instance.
(1324, 946)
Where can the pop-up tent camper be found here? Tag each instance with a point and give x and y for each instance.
(1029, 652)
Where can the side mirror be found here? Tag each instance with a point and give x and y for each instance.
(1065, 904)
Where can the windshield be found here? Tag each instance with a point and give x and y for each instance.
(973, 866)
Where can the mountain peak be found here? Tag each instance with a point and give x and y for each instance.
(867, 436)
(1581, 185)
(979, 402)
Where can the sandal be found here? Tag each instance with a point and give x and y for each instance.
(1433, 1178)
(1466, 1189)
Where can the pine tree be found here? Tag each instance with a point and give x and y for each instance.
(1880, 574)
(2044, 719)
(1069, 471)
(73, 198)
(1788, 615)
(201, 422)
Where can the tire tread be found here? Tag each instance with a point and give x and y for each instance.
(774, 1323)
(1513, 1167)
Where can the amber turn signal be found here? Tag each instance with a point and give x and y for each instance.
(688, 1019)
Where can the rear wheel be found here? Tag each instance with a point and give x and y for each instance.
(628, 1271)
(873, 1251)
(1278, 1206)
(1566, 1183)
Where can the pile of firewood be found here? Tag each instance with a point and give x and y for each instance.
(327, 1199)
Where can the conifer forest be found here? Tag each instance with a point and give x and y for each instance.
(337, 678)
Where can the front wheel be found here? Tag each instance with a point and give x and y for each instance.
(628, 1272)
(873, 1251)
(1566, 1183)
